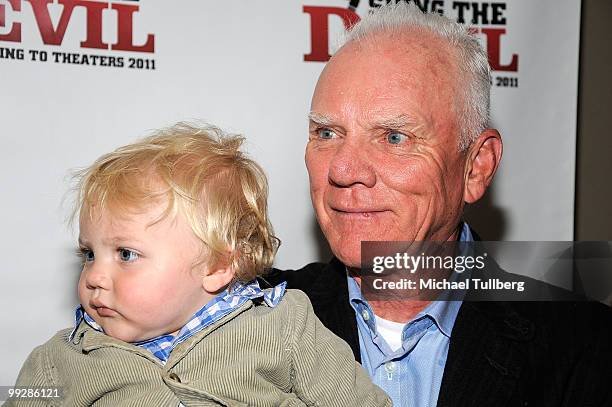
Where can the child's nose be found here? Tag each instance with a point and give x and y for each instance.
(97, 276)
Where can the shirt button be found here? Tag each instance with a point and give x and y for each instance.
(365, 314)
(390, 367)
(174, 377)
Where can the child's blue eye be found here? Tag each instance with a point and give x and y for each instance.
(87, 255)
(127, 255)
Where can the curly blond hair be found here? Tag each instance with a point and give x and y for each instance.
(201, 171)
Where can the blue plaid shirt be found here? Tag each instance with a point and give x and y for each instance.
(411, 375)
(224, 303)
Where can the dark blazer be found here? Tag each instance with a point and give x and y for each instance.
(501, 353)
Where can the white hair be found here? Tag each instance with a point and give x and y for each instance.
(472, 60)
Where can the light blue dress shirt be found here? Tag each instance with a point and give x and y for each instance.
(412, 375)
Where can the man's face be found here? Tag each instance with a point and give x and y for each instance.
(383, 155)
(138, 279)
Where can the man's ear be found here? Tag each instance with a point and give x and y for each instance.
(483, 159)
(216, 279)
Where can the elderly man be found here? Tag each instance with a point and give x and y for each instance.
(398, 146)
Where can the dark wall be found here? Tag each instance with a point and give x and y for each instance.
(593, 219)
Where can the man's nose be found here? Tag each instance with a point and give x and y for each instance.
(351, 165)
(97, 276)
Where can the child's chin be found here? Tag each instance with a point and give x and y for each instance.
(132, 337)
(124, 335)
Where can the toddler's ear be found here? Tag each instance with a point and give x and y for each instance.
(217, 278)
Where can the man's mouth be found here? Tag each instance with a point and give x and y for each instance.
(357, 212)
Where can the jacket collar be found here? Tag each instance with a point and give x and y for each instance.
(88, 339)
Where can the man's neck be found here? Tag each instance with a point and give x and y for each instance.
(399, 310)
(396, 310)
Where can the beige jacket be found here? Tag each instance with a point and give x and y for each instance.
(256, 356)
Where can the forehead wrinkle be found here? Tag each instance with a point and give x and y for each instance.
(426, 49)
(437, 62)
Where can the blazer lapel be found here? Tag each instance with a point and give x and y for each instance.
(486, 355)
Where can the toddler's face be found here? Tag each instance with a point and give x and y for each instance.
(138, 279)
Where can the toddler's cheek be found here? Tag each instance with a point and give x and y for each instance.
(82, 290)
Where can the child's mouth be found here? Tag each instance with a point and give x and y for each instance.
(104, 311)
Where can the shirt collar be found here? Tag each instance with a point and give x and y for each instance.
(81, 315)
(443, 313)
(223, 304)
(466, 233)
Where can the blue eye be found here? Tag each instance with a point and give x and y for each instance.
(326, 134)
(87, 255)
(127, 255)
(396, 138)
